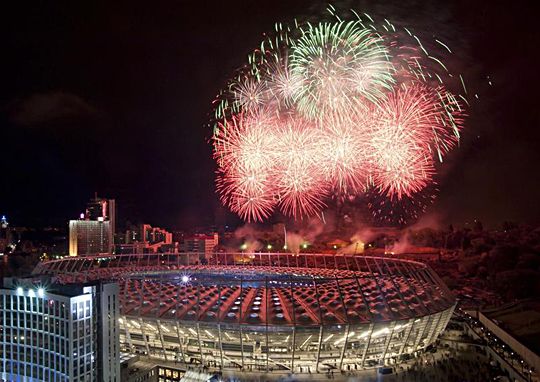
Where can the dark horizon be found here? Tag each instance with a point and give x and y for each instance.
(116, 100)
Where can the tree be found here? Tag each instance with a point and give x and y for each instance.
(478, 227)
(517, 284)
(528, 261)
(502, 258)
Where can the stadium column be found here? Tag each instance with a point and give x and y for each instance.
(293, 347)
(219, 325)
(266, 297)
(407, 335)
(387, 342)
(447, 315)
(371, 327)
(427, 321)
(144, 336)
(340, 293)
(430, 337)
(200, 343)
(319, 347)
(240, 322)
(241, 345)
(198, 326)
(344, 346)
(160, 332)
(293, 300)
(406, 274)
(157, 309)
(180, 343)
(180, 339)
(403, 300)
(220, 345)
(321, 330)
(139, 312)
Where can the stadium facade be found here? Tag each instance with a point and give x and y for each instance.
(270, 311)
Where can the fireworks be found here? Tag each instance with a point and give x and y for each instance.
(336, 63)
(335, 109)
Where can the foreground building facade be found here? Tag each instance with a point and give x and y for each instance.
(58, 332)
(270, 312)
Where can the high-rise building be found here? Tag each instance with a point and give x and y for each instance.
(88, 237)
(93, 232)
(146, 239)
(155, 235)
(100, 208)
(52, 332)
(201, 244)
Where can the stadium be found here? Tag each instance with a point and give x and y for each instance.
(270, 312)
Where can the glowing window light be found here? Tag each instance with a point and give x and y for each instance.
(327, 338)
(380, 332)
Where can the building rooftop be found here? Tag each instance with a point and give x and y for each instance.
(323, 290)
(49, 283)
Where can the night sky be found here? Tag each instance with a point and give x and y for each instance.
(116, 98)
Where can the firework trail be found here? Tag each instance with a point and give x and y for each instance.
(334, 110)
